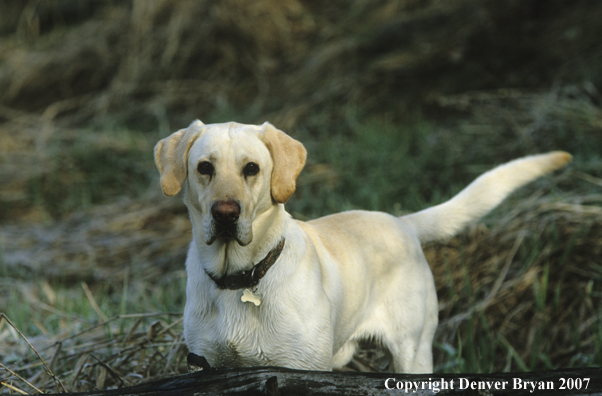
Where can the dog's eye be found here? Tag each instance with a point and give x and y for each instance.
(205, 168)
(250, 169)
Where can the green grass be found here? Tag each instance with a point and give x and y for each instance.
(371, 163)
(90, 168)
(380, 163)
(356, 161)
(45, 307)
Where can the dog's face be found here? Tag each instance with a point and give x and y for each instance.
(233, 173)
(229, 172)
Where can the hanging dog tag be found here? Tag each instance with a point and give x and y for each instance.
(249, 296)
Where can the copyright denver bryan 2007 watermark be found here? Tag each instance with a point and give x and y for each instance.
(438, 385)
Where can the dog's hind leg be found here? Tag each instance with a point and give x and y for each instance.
(419, 365)
(410, 355)
(409, 341)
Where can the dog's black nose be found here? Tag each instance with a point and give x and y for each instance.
(225, 212)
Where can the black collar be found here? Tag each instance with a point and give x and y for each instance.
(249, 278)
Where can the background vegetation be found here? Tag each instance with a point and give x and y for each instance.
(400, 104)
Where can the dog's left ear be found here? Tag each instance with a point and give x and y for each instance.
(288, 156)
(171, 155)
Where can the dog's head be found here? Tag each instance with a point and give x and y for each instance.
(233, 173)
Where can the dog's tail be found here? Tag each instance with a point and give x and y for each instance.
(481, 196)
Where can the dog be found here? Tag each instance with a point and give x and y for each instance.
(265, 289)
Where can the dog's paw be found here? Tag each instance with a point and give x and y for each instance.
(196, 363)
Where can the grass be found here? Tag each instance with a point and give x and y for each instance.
(553, 284)
(405, 163)
(103, 338)
(43, 308)
(91, 168)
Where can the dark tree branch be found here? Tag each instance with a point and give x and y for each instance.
(274, 381)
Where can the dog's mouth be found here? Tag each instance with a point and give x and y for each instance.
(226, 233)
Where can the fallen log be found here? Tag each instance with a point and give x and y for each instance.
(272, 381)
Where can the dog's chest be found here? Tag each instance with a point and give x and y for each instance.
(239, 336)
(235, 353)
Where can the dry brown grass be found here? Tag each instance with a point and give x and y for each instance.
(282, 59)
(102, 356)
(532, 281)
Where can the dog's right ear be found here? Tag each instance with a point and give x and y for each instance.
(171, 155)
(288, 156)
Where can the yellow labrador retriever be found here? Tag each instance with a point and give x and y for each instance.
(265, 289)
